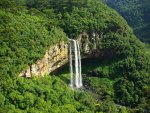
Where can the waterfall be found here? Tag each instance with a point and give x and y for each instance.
(79, 59)
(75, 77)
(71, 67)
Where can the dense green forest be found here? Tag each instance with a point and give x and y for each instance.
(137, 13)
(115, 84)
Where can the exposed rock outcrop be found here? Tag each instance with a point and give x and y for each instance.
(55, 56)
(90, 44)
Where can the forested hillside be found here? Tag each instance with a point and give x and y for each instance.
(119, 83)
(137, 13)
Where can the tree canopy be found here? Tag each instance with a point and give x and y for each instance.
(136, 12)
(119, 84)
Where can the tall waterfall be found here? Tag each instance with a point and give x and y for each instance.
(75, 73)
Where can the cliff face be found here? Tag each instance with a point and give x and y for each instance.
(55, 57)
(90, 44)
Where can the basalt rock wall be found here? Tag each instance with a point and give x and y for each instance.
(57, 55)
(90, 44)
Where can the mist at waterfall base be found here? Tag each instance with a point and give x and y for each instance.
(75, 67)
(67, 72)
(88, 65)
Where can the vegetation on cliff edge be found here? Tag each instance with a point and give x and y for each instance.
(28, 27)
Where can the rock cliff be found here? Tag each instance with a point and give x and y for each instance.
(90, 44)
(55, 57)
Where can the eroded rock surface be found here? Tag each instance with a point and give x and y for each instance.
(90, 44)
(55, 57)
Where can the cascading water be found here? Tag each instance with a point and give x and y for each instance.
(75, 77)
(80, 74)
(71, 67)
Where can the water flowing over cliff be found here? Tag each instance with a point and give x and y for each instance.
(75, 75)
(34, 43)
(56, 56)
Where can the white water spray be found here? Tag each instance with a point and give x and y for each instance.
(80, 74)
(71, 67)
(75, 77)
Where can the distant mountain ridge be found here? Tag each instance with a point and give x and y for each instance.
(119, 79)
(137, 14)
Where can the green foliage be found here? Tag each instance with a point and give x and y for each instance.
(136, 13)
(122, 80)
(103, 87)
(44, 95)
(120, 77)
(23, 40)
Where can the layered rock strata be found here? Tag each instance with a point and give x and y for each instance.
(90, 44)
(55, 56)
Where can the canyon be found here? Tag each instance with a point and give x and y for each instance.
(57, 55)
